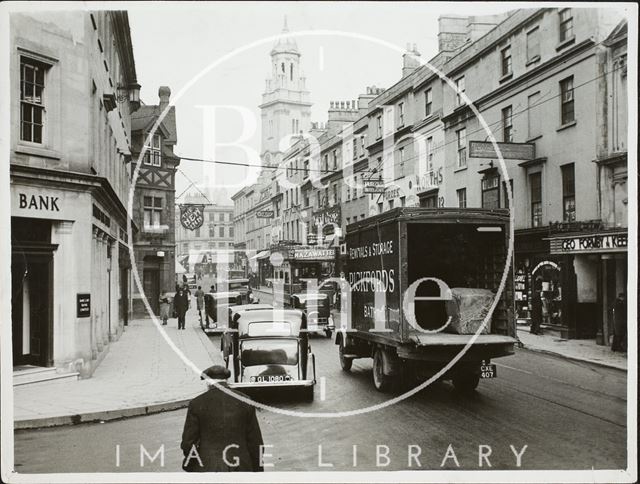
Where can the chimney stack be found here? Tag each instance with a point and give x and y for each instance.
(410, 60)
(164, 93)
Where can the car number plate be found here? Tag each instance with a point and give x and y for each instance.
(488, 371)
(270, 379)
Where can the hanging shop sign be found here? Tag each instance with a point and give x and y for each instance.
(191, 216)
(264, 214)
(372, 186)
(509, 151)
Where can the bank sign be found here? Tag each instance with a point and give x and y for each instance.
(590, 243)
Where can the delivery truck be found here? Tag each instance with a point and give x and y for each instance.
(422, 283)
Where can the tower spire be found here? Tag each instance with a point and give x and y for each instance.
(285, 28)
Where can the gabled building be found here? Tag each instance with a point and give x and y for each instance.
(154, 200)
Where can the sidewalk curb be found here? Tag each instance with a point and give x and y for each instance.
(115, 414)
(573, 358)
(105, 415)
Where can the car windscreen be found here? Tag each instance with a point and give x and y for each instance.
(270, 352)
(237, 285)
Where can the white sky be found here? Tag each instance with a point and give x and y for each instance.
(173, 43)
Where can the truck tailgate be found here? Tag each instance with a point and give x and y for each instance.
(445, 346)
(444, 339)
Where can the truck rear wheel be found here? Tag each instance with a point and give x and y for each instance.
(345, 362)
(381, 381)
(466, 382)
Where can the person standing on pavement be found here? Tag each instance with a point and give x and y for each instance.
(221, 433)
(181, 305)
(165, 306)
(620, 323)
(200, 302)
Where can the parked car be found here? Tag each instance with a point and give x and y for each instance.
(240, 286)
(317, 308)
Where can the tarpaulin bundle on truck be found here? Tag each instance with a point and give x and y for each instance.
(468, 309)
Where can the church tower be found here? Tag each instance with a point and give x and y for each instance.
(285, 107)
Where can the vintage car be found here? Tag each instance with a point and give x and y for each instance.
(240, 286)
(317, 308)
(270, 349)
(250, 307)
(214, 302)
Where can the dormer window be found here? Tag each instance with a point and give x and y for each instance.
(153, 156)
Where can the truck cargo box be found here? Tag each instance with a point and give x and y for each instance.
(465, 248)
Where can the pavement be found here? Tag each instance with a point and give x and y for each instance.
(141, 374)
(574, 349)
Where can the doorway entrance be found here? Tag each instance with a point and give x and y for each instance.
(32, 292)
(151, 282)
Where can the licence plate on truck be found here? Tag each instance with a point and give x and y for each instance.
(488, 371)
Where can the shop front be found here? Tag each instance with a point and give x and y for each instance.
(293, 265)
(599, 261)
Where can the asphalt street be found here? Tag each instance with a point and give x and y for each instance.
(569, 415)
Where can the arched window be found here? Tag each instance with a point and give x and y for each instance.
(291, 71)
(282, 66)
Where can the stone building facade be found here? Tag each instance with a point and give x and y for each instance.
(74, 87)
(550, 84)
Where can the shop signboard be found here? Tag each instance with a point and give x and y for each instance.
(264, 214)
(314, 253)
(430, 180)
(327, 216)
(593, 243)
(509, 151)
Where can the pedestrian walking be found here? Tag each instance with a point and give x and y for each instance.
(165, 306)
(620, 324)
(200, 302)
(181, 305)
(221, 433)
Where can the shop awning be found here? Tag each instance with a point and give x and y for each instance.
(180, 268)
(194, 259)
(261, 255)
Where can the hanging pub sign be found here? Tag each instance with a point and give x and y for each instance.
(191, 216)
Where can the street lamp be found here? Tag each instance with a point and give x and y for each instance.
(129, 93)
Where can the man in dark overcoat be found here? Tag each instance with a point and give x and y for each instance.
(221, 433)
(180, 306)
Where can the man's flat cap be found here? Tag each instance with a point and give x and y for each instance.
(216, 372)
